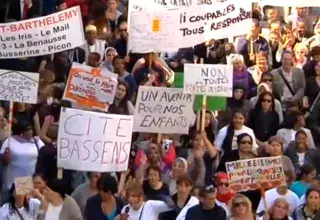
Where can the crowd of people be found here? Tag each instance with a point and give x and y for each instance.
(274, 111)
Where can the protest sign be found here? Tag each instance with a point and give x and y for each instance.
(255, 173)
(40, 36)
(91, 141)
(19, 86)
(23, 185)
(207, 79)
(91, 87)
(291, 3)
(163, 110)
(185, 27)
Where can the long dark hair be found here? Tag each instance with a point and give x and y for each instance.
(258, 106)
(123, 105)
(291, 119)
(227, 142)
(305, 170)
(12, 201)
(209, 130)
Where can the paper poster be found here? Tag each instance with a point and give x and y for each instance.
(163, 110)
(19, 86)
(245, 175)
(208, 79)
(91, 141)
(23, 185)
(91, 87)
(44, 35)
(189, 26)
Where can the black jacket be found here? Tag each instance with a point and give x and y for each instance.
(216, 55)
(196, 212)
(13, 11)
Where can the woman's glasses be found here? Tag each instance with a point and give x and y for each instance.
(224, 184)
(266, 100)
(245, 142)
(238, 204)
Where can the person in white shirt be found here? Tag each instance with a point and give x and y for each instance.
(137, 209)
(280, 192)
(279, 210)
(93, 44)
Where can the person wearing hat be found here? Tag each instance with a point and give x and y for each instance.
(20, 155)
(93, 44)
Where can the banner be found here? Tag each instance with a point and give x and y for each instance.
(90, 87)
(160, 30)
(44, 35)
(91, 141)
(208, 79)
(291, 3)
(19, 86)
(255, 173)
(163, 110)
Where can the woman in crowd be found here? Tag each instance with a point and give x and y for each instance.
(121, 104)
(304, 179)
(240, 75)
(224, 192)
(104, 205)
(20, 157)
(226, 140)
(153, 187)
(110, 53)
(21, 207)
(182, 200)
(239, 101)
(39, 182)
(310, 209)
(264, 87)
(86, 190)
(278, 211)
(241, 208)
(312, 87)
(288, 38)
(275, 149)
(179, 168)
(201, 158)
(300, 55)
(293, 122)
(299, 153)
(267, 78)
(261, 67)
(263, 119)
(113, 16)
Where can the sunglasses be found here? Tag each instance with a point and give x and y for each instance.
(266, 100)
(238, 204)
(267, 80)
(245, 142)
(123, 30)
(224, 184)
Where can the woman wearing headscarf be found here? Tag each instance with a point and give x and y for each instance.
(179, 168)
(110, 53)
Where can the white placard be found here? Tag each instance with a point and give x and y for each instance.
(163, 110)
(185, 27)
(23, 185)
(19, 86)
(44, 35)
(91, 141)
(208, 79)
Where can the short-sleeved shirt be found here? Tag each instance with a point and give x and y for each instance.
(8, 213)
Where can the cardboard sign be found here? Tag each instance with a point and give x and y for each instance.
(245, 175)
(91, 141)
(185, 27)
(44, 35)
(91, 87)
(163, 110)
(19, 86)
(207, 79)
(23, 185)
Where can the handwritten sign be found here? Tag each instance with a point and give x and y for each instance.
(207, 79)
(91, 141)
(23, 185)
(19, 86)
(163, 110)
(44, 35)
(185, 27)
(253, 174)
(91, 87)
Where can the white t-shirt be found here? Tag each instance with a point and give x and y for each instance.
(223, 133)
(272, 195)
(301, 158)
(7, 213)
(23, 159)
(53, 212)
(151, 210)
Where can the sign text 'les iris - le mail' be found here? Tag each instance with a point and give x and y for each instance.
(44, 35)
(91, 141)
(17, 86)
(160, 30)
(163, 110)
(208, 79)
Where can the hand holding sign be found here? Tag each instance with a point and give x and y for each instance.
(24, 185)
